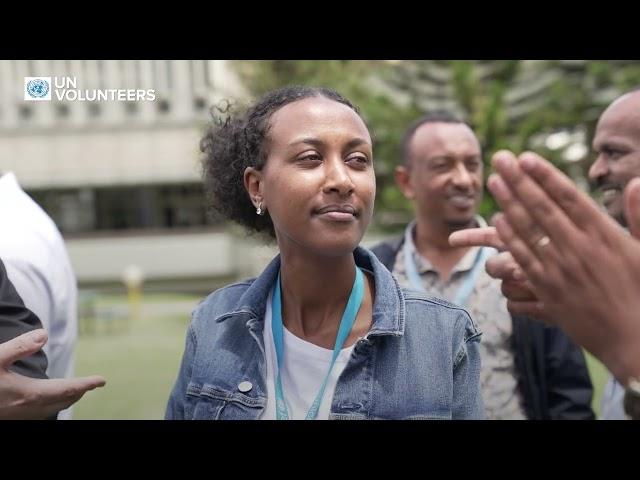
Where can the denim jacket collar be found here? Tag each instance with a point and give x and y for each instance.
(388, 307)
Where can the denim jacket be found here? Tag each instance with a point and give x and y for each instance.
(419, 360)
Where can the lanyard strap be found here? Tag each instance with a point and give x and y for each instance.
(346, 323)
(463, 293)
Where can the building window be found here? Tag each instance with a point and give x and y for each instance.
(87, 210)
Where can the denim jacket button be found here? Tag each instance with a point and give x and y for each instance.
(245, 387)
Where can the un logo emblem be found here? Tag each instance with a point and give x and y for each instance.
(37, 88)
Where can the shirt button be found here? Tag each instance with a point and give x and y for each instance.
(245, 386)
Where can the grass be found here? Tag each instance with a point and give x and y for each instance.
(599, 375)
(139, 359)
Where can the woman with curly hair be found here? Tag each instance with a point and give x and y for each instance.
(325, 332)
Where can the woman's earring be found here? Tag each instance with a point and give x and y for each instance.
(259, 210)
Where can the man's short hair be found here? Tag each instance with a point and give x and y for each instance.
(439, 116)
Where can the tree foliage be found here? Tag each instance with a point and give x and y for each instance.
(513, 104)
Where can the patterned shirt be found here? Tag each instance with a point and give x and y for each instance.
(488, 308)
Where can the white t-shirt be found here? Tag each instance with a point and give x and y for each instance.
(304, 369)
(612, 404)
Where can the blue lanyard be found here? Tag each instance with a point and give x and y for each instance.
(463, 293)
(348, 318)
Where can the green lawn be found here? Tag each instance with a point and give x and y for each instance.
(140, 358)
(599, 375)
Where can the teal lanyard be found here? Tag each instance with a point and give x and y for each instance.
(463, 293)
(348, 318)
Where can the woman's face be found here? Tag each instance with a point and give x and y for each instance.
(318, 182)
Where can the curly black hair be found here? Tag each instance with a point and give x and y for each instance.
(233, 144)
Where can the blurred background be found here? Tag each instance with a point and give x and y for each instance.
(122, 179)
